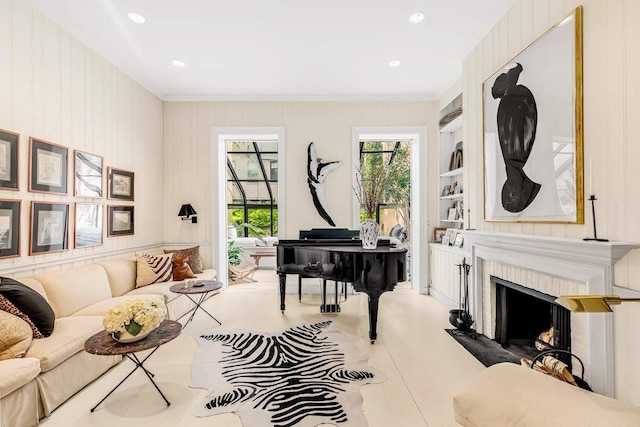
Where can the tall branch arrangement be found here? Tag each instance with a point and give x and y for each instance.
(371, 184)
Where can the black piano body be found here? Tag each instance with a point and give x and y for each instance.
(343, 260)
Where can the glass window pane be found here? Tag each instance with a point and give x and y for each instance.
(256, 192)
(267, 145)
(240, 146)
(234, 196)
(261, 218)
(246, 165)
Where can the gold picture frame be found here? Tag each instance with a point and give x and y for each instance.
(533, 131)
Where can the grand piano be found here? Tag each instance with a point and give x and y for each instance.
(336, 255)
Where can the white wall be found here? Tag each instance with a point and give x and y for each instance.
(55, 88)
(188, 174)
(611, 134)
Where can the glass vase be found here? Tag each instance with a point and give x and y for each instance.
(369, 231)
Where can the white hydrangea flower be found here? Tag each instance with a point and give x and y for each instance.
(146, 313)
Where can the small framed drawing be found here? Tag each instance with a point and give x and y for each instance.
(453, 214)
(88, 174)
(89, 228)
(49, 226)
(121, 220)
(445, 240)
(445, 191)
(9, 228)
(459, 240)
(9, 160)
(121, 184)
(47, 167)
(438, 234)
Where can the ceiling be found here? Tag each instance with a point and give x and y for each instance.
(283, 49)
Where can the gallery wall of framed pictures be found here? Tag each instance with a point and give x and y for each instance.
(84, 208)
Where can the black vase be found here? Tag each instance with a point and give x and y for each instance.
(460, 319)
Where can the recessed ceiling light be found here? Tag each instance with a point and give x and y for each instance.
(394, 63)
(177, 63)
(416, 18)
(136, 17)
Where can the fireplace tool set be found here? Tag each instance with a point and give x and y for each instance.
(461, 318)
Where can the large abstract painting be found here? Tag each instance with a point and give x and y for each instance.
(533, 131)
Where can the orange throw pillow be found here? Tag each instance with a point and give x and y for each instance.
(181, 269)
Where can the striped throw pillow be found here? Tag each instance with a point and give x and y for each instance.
(152, 269)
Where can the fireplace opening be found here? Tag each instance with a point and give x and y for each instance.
(528, 321)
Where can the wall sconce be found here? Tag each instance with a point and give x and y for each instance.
(187, 212)
(592, 303)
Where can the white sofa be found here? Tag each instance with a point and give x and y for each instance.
(56, 367)
(258, 249)
(507, 394)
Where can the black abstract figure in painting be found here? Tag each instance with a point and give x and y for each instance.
(517, 122)
(316, 173)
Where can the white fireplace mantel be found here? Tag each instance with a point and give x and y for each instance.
(588, 262)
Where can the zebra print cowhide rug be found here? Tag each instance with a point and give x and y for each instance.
(304, 376)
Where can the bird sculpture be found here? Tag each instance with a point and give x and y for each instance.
(316, 173)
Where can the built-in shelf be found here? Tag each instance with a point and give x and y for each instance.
(454, 172)
(452, 196)
(450, 155)
(453, 125)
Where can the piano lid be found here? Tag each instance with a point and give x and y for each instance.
(329, 233)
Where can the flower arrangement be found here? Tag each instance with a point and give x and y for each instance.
(137, 316)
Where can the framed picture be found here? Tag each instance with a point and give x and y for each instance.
(438, 234)
(9, 160)
(88, 174)
(89, 225)
(449, 236)
(453, 214)
(459, 240)
(121, 220)
(9, 228)
(533, 136)
(445, 191)
(47, 167)
(121, 184)
(49, 227)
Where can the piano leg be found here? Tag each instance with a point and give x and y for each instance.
(374, 297)
(283, 290)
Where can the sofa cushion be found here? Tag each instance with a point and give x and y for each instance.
(33, 284)
(507, 394)
(180, 269)
(27, 304)
(15, 336)
(152, 269)
(67, 339)
(101, 307)
(15, 373)
(73, 289)
(163, 288)
(195, 261)
(121, 274)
